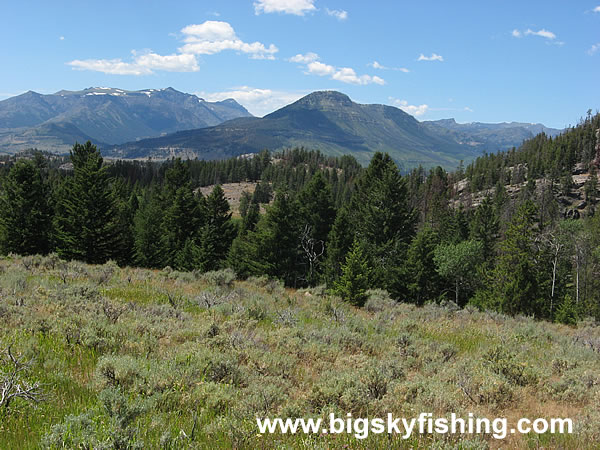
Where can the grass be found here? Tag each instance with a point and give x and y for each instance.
(132, 358)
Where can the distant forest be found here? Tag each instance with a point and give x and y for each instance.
(330, 222)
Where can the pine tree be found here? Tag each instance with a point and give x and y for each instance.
(183, 220)
(484, 228)
(383, 221)
(85, 223)
(355, 280)
(317, 214)
(148, 232)
(338, 244)
(218, 231)
(274, 248)
(515, 286)
(424, 282)
(25, 213)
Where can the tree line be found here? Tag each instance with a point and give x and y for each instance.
(329, 222)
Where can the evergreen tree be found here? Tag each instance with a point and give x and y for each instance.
(182, 221)
(383, 221)
(424, 282)
(355, 280)
(317, 214)
(148, 231)
(274, 248)
(484, 228)
(85, 223)
(218, 231)
(515, 282)
(25, 212)
(339, 241)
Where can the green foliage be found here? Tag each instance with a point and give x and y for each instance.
(458, 263)
(567, 312)
(25, 210)
(356, 278)
(86, 219)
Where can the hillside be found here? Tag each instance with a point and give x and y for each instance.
(163, 359)
(327, 121)
(107, 116)
(490, 137)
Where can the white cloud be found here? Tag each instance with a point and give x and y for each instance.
(207, 38)
(541, 33)
(348, 75)
(597, 9)
(594, 49)
(296, 7)
(258, 101)
(414, 110)
(433, 57)
(143, 64)
(213, 37)
(304, 59)
(529, 32)
(343, 74)
(376, 65)
(318, 68)
(338, 14)
(62, 38)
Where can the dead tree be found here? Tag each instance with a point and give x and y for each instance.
(12, 383)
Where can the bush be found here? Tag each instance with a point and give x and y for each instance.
(221, 278)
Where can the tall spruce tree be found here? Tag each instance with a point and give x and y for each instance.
(218, 231)
(356, 279)
(383, 221)
(148, 232)
(25, 212)
(85, 223)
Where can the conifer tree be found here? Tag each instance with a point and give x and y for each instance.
(218, 231)
(148, 232)
(85, 223)
(424, 282)
(355, 280)
(338, 244)
(25, 212)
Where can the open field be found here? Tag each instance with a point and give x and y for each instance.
(133, 358)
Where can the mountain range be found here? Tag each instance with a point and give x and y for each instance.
(107, 116)
(164, 123)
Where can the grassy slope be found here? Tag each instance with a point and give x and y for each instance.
(180, 347)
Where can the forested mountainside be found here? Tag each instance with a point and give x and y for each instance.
(421, 237)
(326, 120)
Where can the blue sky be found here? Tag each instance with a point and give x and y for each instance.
(488, 61)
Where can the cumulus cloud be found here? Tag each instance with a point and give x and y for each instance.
(296, 7)
(413, 110)
(318, 68)
(258, 101)
(143, 64)
(597, 9)
(62, 38)
(433, 57)
(376, 65)
(304, 59)
(338, 14)
(214, 36)
(516, 33)
(344, 74)
(207, 38)
(348, 75)
(595, 48)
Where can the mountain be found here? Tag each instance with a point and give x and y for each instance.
(489, 137)
(107, 116)
(327, 120)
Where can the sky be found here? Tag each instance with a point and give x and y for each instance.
(472, 60)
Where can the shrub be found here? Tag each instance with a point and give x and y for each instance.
(221, 278)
